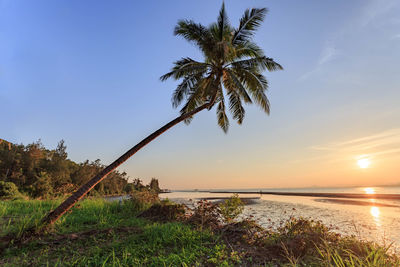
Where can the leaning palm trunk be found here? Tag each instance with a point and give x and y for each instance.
(231, 61)
(83, 190)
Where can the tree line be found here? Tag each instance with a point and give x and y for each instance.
(39, 172)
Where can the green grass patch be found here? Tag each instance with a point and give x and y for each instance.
(101, 233)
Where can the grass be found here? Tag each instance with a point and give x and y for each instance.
(311, 243)
(169, 244)
(101, 233)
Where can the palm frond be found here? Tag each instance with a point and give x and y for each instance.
(222, 119)
(262, 80)
(194, 100)
(256, 85)
(235, 106)
(251, 79)
(197, 96)
(222, 22)
(258, 63)
(261, 99)
(184, 67)
(232, 82)
(184, 88)
(248, 49)
(223, 51)
(195, 33)
(249, 22)
(188, 120)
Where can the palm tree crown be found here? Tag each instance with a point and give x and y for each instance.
(231, 61)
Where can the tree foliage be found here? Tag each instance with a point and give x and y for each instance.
(231, 61)
(154, 186)
(43, 173)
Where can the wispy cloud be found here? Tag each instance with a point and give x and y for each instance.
(328, 53)
(374, 12)
(396, 37)
(383, 143)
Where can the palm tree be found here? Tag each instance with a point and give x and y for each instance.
(231, 61)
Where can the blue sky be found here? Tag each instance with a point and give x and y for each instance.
(88, 72)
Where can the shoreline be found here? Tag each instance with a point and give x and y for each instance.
(330, 195)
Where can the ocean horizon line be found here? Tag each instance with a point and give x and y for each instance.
(283, 188)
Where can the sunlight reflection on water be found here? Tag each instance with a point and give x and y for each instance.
(375, 214)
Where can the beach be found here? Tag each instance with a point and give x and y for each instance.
(367, 218)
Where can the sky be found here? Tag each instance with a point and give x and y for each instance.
(88, 72)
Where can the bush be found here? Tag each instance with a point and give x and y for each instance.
(231, 208)
(42, 188)
(8, 190)
(206, 215)
(143, 200)
(165, 211)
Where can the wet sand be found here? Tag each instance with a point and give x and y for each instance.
(245, 200)
(355, 202)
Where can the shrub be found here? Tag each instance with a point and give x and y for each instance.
(42, 188)
(300, 236)
(231, 208)
(8, 190)
(206, 215)
(165, 211)
(143, 200)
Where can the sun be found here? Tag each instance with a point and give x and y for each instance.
(363, 163)
(369, 190)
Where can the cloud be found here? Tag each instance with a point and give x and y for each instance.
(328, 53)
(376, 10)
(378, 13)
(306, 75)
(383, 143)
(378, 145)
(396, 37)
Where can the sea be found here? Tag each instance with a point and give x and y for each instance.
(368, 218)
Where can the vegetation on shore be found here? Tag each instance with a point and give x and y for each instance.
(37, 172)
(101, 233)
(146, 231)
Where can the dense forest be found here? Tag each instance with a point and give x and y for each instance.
(42, 173)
